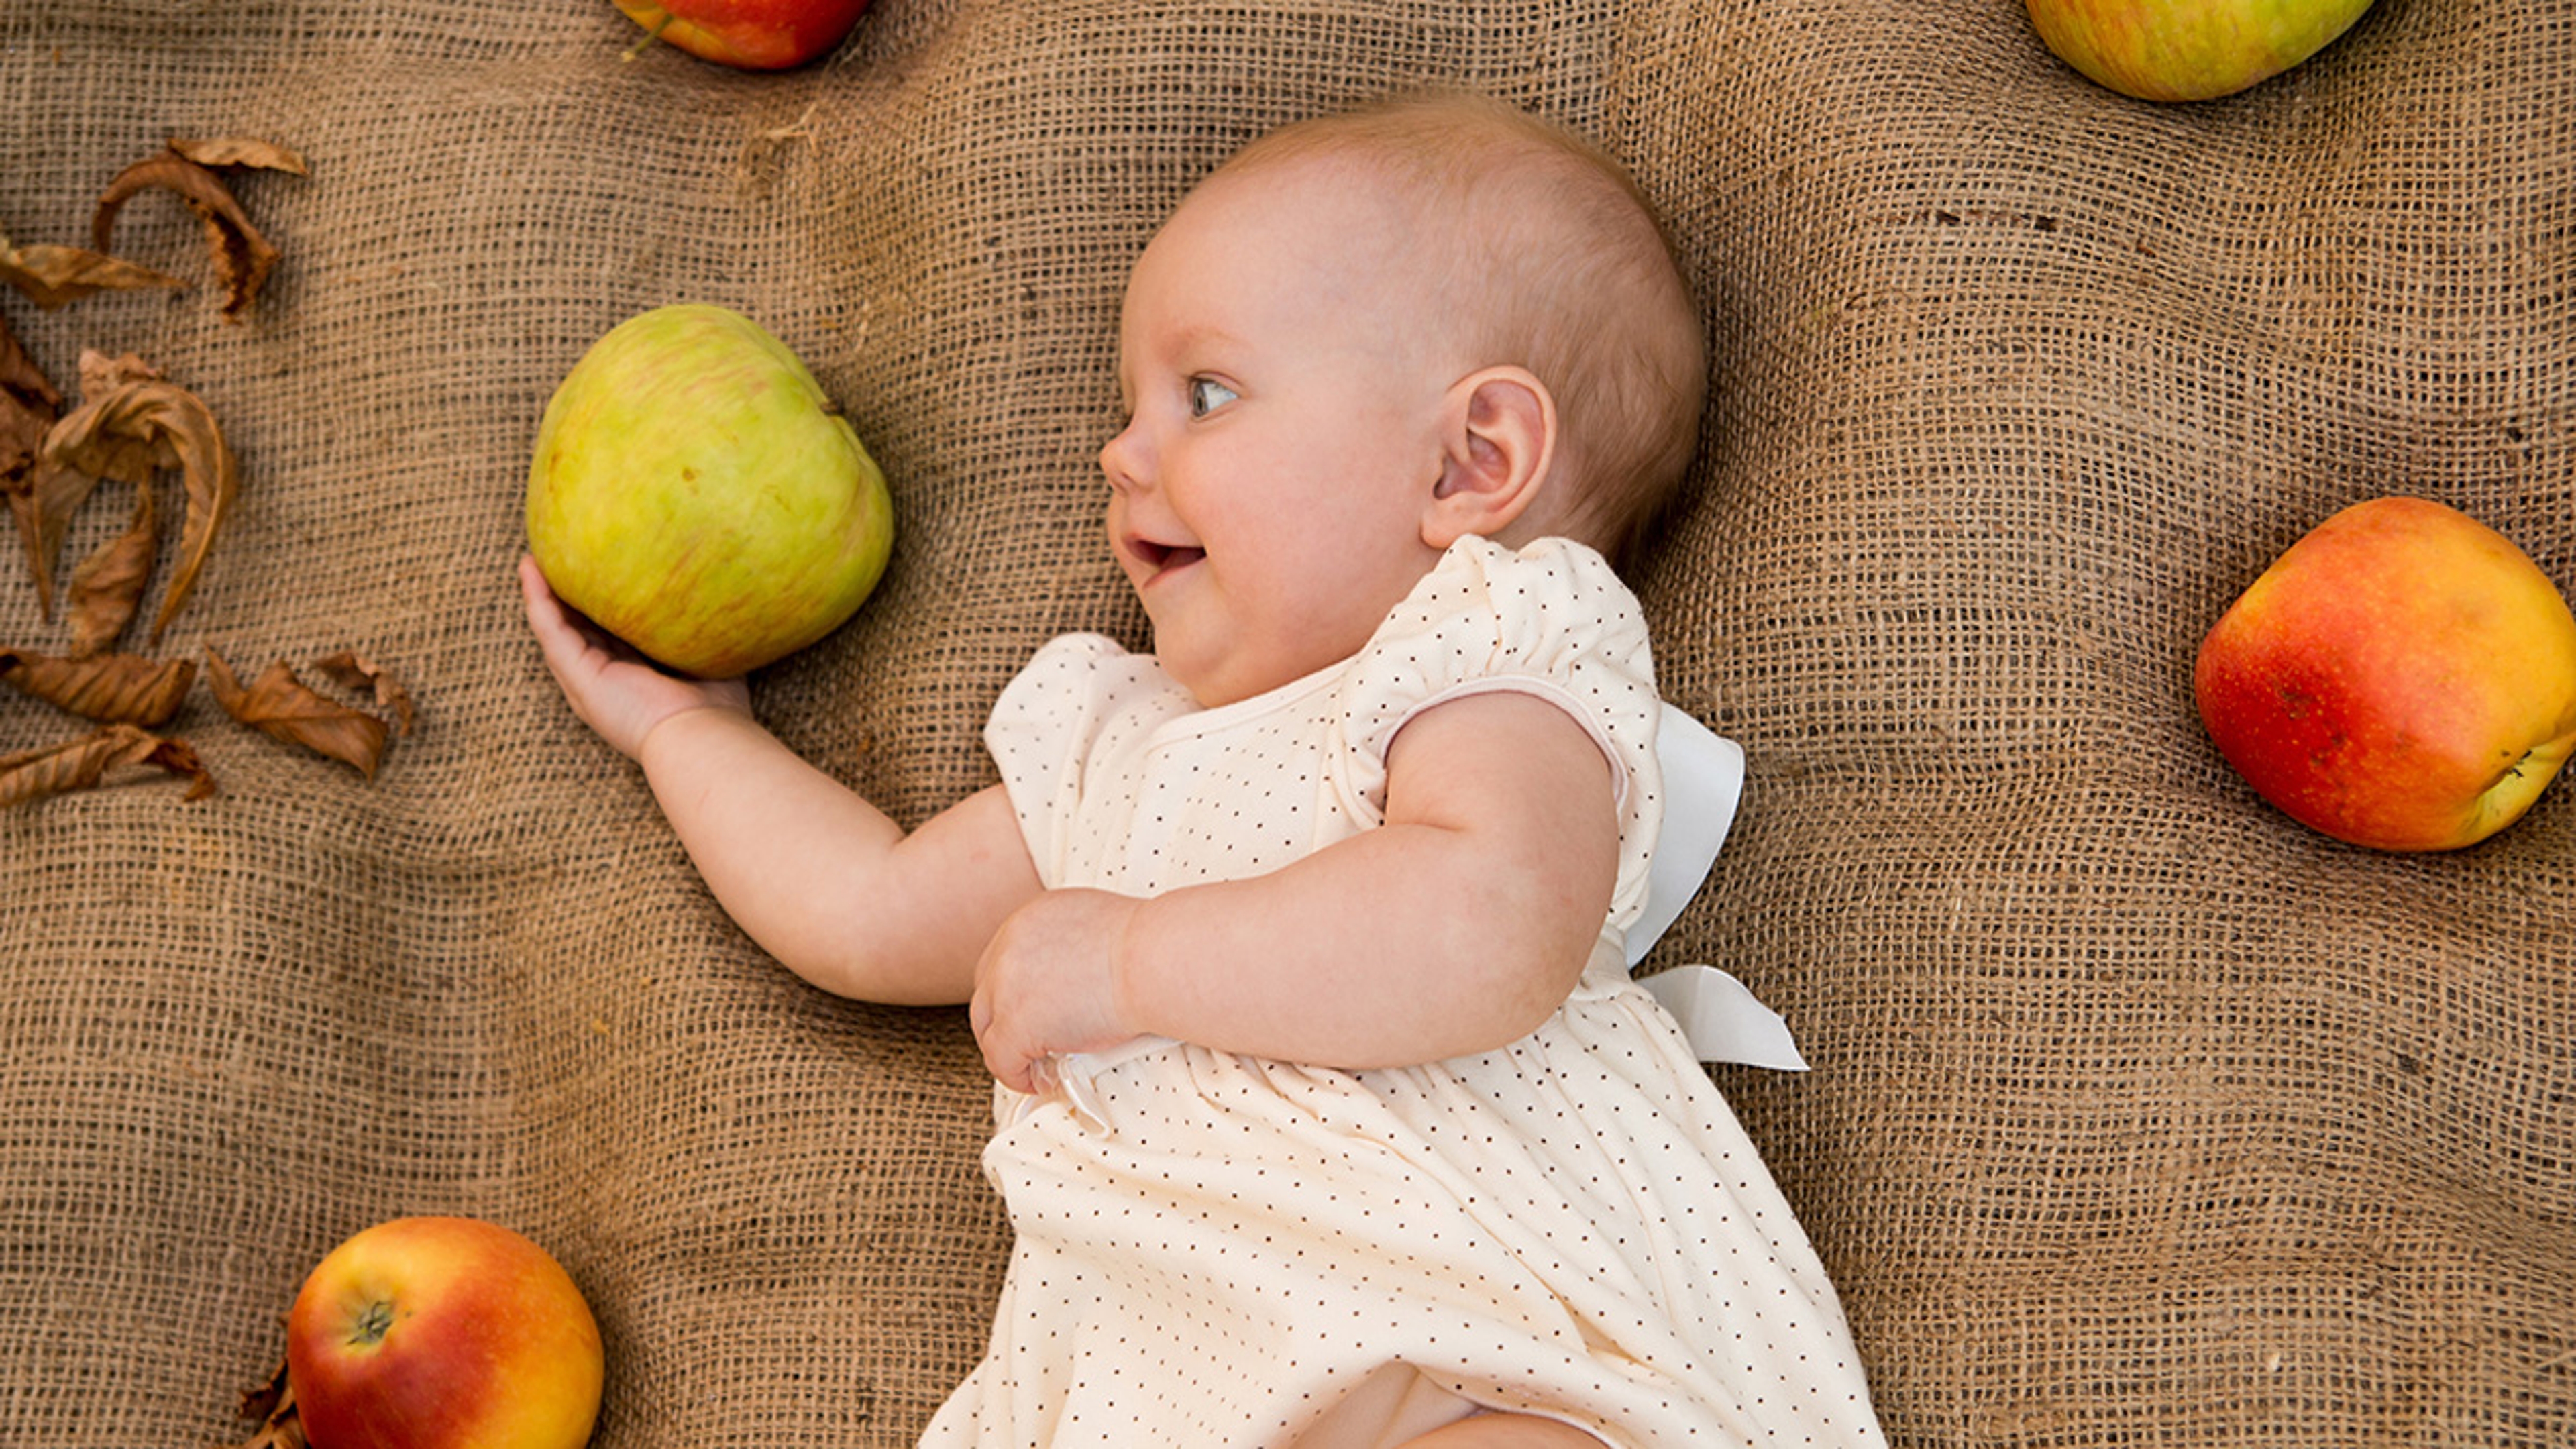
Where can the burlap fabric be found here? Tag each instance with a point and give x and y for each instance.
(2141, 1116)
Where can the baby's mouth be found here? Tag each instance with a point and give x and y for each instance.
(1162, 558)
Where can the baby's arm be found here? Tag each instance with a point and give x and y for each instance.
(1456, 927)
(822, 879)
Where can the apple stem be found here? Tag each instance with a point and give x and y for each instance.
(372, 1325)
(650, 36)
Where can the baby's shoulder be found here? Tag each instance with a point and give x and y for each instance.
(1075, 680)
(1488, 607)
(1085, 664)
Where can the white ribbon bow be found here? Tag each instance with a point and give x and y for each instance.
(1703, 783)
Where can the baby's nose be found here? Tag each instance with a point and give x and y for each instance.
(1122, 458)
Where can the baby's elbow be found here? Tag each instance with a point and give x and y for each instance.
(1553, 908)
(1529, 972)
(832, 971)
(866, 966)
(1548, 976)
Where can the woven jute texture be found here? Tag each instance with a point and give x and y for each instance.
(2141, 1116)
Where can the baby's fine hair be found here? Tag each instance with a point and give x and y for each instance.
(1560, 266)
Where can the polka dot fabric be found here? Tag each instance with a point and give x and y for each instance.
(1552, 620)
(1231, 1251)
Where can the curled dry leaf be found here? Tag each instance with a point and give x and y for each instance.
(242, 257)
(354, 671)
(271, 1405)
(84, 763)
(125, 457)
(57, 488)
(58, 494)
(247, 152)
(54, 276)
(242, 152)
(28, 407)
(24, 384)
(139, 423)
(109, 688)
(282, 706)
(107, 587)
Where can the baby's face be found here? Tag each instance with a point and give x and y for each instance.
(1283, 396)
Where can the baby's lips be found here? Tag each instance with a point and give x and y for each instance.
(1158, 557)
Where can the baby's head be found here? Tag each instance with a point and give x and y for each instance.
(1366, 337)
(1531, 246)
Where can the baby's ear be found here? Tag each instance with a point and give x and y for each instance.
(1497, 435)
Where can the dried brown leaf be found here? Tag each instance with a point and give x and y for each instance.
(107, 587)
(84, 763)
(140, 417)
(109, 688)
(106, 453)
(56, 276)
(271, 1405)
(19, 372)
(28, 406)
(58, 494)
(242, 151)
(281, 706)
(352, 670)
(101, 374)
(242, 257)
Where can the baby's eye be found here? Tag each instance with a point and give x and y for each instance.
(1207, 395)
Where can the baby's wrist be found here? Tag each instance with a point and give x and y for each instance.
(713, 712)
(1126, 950)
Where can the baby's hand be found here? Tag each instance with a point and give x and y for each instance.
(613, 689)
(1046, 986)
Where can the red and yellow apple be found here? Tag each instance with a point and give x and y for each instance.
(442, 1333)
(2188, 50)
(749, 34)
(694, 492)
(2403, 677)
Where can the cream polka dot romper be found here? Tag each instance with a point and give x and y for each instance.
(1218, 1250)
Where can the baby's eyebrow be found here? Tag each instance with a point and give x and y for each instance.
(1195, 336)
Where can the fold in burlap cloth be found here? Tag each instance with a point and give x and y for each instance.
(2140, 1115)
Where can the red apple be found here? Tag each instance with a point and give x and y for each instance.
(749, 34)
(2403, 677)
(442, 1333)
(2188, 50)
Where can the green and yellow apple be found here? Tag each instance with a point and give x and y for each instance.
(749, 34)
(442, 1333)
(2403, 677)
(2188, 50)
(695, 493)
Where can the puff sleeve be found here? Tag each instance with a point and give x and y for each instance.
(1049, 727)
(1551, 620)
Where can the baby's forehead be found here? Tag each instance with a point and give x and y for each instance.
(1367, 198)
(1320, 226)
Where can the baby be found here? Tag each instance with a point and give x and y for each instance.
(1327, 1113)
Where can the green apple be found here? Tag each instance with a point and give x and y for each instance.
(2403, 677)
(2188, 50)
(695, 493)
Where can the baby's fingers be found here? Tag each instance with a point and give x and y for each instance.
(574, 652)
(609, 686)
(1006, 1055)
(562, 639)
(544, 609)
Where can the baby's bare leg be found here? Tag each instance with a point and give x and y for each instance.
(1505, 1431)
